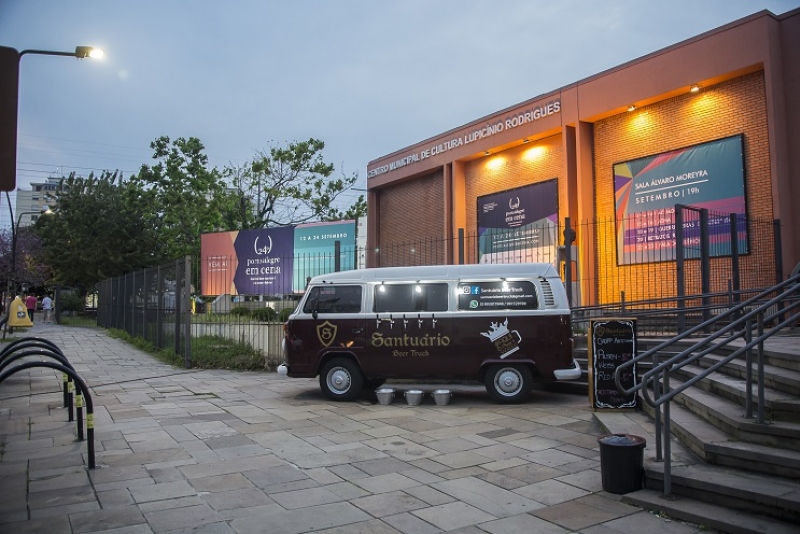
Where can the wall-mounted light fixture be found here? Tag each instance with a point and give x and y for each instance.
(631, 107)
(526, 140)
(694, 89)
(487, 153)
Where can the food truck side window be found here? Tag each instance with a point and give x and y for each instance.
(481, 296)
(411, 297)
(333, 299)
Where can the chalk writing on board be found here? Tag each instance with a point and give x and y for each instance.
(613, 343)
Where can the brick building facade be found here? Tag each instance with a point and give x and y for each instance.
(739, 81)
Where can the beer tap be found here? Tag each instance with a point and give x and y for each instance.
(405, 322)
(419, 320)
(433, 321)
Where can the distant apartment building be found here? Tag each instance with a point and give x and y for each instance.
(32, 202)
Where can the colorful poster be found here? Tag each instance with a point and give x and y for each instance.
(274, 261)
(218, 263)
(315, 250)
(519, 225)
(265, 261)
(709, 176)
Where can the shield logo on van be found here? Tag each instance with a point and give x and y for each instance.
(326, 333)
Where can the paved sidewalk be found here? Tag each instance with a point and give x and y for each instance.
(215, 452)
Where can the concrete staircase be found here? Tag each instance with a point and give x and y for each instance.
(743, 475)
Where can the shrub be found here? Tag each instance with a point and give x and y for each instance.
(264, 314)
(70, 302)
(240, 311)
(283, 316)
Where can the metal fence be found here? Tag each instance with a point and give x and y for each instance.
(687, 262)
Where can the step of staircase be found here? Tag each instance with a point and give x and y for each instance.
(778, 405)
(726, 499)
(709, 515)
(729, 418)
(715, 446)
(775, 377)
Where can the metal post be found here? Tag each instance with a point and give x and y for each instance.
(760, 418)
(776, 226)
(144, 304)
(705, 266)
(568, 238)
(337, 258)
(79, 414)
(177, 300)
(461, 246)
(187, 295)
(656, 396)
(748, 372)
(159, 306)
(680, 274)
(667, 444)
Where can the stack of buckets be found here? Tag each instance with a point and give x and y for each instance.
(413, 396)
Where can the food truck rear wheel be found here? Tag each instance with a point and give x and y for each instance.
(341, 379)
(508, 384)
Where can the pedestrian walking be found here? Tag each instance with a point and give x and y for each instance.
(30, 303)
(47, 308)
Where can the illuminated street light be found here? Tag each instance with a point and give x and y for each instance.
(80, 52)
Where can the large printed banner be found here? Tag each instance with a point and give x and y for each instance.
(709, 175)
(519, 225)
(272, 261)
(315, 250)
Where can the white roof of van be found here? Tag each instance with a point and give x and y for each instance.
(441, 272)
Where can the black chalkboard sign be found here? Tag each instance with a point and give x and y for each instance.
(612, 342)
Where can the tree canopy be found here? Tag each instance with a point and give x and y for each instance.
(288, 185)
(102, 227)
(105, 226)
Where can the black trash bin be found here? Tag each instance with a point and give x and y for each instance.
(621, 462)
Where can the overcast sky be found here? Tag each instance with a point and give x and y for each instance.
(368, 77)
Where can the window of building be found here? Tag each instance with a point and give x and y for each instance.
(408, 298)
(333, 299)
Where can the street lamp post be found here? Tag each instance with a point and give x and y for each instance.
(9, 101)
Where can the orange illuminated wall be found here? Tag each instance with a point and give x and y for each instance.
(523, 165)
(737, 106)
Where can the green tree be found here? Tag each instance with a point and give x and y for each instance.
(189, 196)
(32, 268)
(285, 186)
(101, 227)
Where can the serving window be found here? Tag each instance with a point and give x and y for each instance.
(410, 298)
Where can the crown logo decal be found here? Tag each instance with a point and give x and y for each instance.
(496, 330)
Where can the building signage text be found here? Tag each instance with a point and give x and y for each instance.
(510, 122)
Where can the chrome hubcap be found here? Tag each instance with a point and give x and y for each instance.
(508, 381)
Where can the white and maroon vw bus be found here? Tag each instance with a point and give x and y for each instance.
(502, 324)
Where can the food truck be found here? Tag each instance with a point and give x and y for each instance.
(506, 325)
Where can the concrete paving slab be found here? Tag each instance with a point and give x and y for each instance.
(221, 452)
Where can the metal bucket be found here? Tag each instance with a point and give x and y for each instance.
(441, 397)
(385, 395)
(414, 397)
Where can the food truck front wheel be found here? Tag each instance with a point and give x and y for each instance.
(341, 379)
(508, 384)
